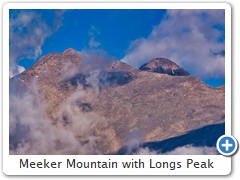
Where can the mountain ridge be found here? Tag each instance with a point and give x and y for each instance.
(116, 100)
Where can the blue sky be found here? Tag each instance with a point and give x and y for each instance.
(194, 39)
(113, 29)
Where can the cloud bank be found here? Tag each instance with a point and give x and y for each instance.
(194, 39)
(183, 150)
(32, 131)
(28, 32)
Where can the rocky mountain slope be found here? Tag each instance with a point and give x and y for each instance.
(115, 105)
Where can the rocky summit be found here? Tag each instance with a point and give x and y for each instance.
(108, 105)
(164, 66)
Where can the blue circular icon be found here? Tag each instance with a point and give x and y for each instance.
(227, 145)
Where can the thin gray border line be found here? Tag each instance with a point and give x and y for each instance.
(1, 63)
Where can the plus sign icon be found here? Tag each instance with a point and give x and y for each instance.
(227, 145)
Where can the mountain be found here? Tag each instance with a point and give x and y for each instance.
(164, 66)
(115, 105)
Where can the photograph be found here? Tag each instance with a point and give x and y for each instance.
(116, 81)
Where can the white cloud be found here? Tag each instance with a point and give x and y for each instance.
(93, 43)
(183, 150)
(92, 33)
(28, 32)
(20, 69)
(186, 37)
(191, 150)
(33, 132)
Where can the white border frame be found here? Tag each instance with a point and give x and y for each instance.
(9, 161)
